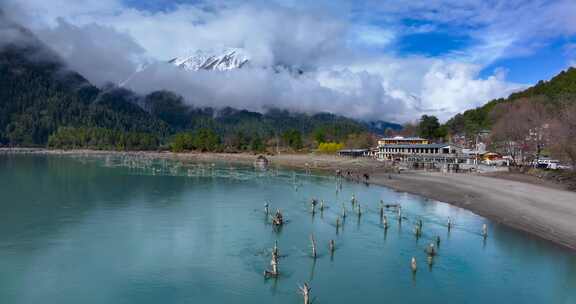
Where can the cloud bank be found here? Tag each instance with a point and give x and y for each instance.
(350, 62)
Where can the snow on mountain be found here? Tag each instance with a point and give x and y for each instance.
(213, 60)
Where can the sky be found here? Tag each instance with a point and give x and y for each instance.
(374, 59)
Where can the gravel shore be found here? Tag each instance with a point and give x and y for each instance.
(544, 211)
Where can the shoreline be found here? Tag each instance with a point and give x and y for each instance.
(540, 210)
(532, 206)
(315, 162)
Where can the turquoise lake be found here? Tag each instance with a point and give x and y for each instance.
(133, 230)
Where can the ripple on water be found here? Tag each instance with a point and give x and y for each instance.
(140, 230)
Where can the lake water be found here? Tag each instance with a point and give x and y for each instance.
(115, 230)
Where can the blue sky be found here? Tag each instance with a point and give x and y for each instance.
(439, 38)
(542, 64)
(393, 59)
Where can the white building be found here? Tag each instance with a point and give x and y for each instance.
(407, 152)
(400, 140)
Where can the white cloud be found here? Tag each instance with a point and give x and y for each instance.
(99, 52)
(372, 36)
(450, 87)
(105, 40)
(499, 29)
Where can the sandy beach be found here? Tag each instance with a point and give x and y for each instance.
(527, 204)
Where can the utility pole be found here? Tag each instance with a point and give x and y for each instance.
(476, 148)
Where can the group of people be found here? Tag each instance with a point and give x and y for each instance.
(365, 177)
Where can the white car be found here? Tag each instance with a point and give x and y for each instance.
(546, 163)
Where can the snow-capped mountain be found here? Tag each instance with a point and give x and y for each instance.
(226, 60)
(213, 60)
(209, 60)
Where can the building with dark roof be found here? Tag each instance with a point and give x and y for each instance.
(443, 153)
(355, 152)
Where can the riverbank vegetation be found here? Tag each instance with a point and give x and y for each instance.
(101, 139)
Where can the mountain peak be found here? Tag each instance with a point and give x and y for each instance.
(213, 60)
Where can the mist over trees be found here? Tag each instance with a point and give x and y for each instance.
(42, 103)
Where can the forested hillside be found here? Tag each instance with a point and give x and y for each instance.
(540, 120)
(38, 95)
(43, 103)
(554, 94)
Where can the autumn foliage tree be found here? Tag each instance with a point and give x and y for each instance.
(330, 147)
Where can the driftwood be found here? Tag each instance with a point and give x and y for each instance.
(431, 250)
(277, 219)
(273, 272)
(275, 248)
(305, 292)
(313, 204)
(388, 206)
(313, 242)
(430, 260)
(417, 231)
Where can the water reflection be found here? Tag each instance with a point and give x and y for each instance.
(107, 230)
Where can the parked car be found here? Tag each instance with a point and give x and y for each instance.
(546, 163)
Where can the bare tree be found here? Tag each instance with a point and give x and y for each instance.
(361, 141)
(409, 129)
(521, 128)
(563, 130)
(537, 118)
(509, 131)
